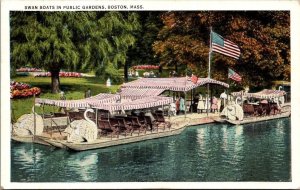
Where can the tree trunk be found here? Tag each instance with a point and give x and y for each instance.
(125, 72)
(55, 81)
(160, 69)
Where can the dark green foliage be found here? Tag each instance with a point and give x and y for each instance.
(74, 41)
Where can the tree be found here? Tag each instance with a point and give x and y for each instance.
(142, 53)
(263, 37)
(105, 47)
(43, 39)
(73, 41)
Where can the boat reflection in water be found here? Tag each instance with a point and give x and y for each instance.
(206, 153)
(84, 165)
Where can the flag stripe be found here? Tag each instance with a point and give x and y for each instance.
(225, 52)
(224, 46)
(234, 76)
(228, 50)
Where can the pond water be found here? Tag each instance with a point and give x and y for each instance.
(206, 153)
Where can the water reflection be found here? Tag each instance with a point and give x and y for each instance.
(202, 153)
(84, 165)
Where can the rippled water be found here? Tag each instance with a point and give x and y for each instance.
(206, 153)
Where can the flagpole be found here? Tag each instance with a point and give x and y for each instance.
(209, 54)
(209, 60)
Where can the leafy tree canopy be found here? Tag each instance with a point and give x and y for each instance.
(263, 37)
(73, 41)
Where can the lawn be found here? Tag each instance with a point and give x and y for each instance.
(74, 88)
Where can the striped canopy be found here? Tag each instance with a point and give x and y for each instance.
(137, 104)
(264, 94)
(174, 84)
(136, 93)
(81, 103)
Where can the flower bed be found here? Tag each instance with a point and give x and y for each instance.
(27, 69)
(22, 90)
(61, 74)
(145, 67)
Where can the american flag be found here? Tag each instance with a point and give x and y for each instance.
(224, 46)
(234, 76)
(193, 78)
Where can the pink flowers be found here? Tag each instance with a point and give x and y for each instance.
(22, 90)
(145, 67)
(27, 69)
(61, 74)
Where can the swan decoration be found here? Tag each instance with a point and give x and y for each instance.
(234, 111)
(280, 100)
(25, 125)
(84, 130)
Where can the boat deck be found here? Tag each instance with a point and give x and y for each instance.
(178, 124)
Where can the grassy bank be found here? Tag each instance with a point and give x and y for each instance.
(74, 88)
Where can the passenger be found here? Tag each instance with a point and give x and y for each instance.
(200, 106)
(182, 106)
(177, 103)
(135, 112)
(148, 113)
(195, 104)
(214, 104)
(223, 97)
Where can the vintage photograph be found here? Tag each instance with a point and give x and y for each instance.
(127, 95)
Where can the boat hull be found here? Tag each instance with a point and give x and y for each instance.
(29, 139)
(125, 140)
(259, 119)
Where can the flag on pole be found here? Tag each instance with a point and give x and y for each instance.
(194, 79)
(223, 46)
(234, 76)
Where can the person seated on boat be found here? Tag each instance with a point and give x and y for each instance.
(135, 112)
(149, 114)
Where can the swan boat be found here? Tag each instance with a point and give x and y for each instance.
(269, 105)
(96, 127)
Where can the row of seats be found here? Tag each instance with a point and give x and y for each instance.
(124, 124)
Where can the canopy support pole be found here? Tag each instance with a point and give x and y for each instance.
(207, 100)
(185, 104)
(96, 117)
(34, 117)
(192, 101)
(43, 108)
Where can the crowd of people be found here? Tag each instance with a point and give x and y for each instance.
(200, 104)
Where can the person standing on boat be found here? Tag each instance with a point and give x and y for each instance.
(200, 106)
(181, 105)
(214, 104)
(177, 103)
(223, 97)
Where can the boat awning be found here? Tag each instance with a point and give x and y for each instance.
(174, 84)
(142, 103)
(137, 93)
(81, 103)
(264, 94)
